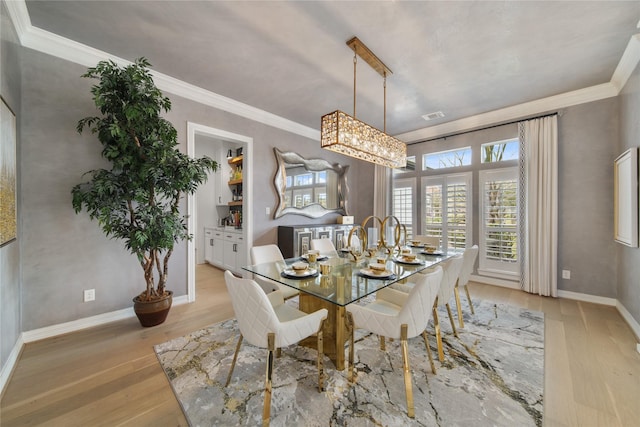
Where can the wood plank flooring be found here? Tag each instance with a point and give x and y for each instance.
(109, 375)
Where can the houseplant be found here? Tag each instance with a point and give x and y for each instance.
(138, 199)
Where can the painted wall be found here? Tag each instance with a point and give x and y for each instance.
(628, 283)
(64, 253)
(10, 325)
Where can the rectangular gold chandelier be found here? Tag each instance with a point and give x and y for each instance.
(347, 135)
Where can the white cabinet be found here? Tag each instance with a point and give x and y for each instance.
(223, 192)
(225, 249)
(218, 248)
(208, 245)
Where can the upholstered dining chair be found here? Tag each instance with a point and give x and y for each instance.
(451, 270)
(265, 321)
(428, 240)
(400, 316)
(325, 246)
(468, 261)
(270, 253)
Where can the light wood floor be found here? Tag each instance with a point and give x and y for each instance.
(109, 375)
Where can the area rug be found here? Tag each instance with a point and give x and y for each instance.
(492, 376)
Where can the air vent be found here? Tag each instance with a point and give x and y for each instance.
(433, 116)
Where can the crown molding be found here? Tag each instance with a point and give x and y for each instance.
(627, 64)
(60, 47)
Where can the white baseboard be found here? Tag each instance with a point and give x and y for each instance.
(633, 324)
(87, 322)
(10, 364)
(587, 298)
(495, 281)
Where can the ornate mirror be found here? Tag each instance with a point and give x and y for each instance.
(309, 187)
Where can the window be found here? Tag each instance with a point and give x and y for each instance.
(499, 222)
(403, 203)
(447, 159)
(500, 151)
(447, 209)
(410, 167)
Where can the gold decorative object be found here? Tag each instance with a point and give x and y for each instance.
(361, 233)
(345, 134)
(397, 235)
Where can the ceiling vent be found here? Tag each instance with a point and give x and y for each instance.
(433, 116)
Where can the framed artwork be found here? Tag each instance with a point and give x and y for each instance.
(625, 178)
(8, 175)
(304, 242)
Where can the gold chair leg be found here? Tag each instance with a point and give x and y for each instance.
(453, 324)
(279, 352)
(466, 288)
(408, 388)
(436, 326)
(382, 345)
(426, 344)
(350, 328)
(233, 364)
(266, 410)
(458, 306)
(320, 338)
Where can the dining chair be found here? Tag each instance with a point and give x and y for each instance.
(428, 240)
(399, 316)
(270, 253)
(451, 270)
(325, 246)
(468, 262)
(265, 321)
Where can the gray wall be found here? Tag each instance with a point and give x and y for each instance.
(64, 253)
(629, 258)
(10, 304)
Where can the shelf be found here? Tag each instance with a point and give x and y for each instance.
(235, 160)
(235, 181)
(236, 203)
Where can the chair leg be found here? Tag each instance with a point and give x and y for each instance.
(466, 288)
(458, 306)
(350, 328)
(266, 410)
(436, 326)
(235, 357)
(408, 388)
(426, 344)
(382, 345)
(453, 324)
(320, 337)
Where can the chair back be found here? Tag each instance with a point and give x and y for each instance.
(468, 262)
(325, 246)
(451, 269)
(266, 253)
(355, 241)
(255, 314)
(416, 311)
(428, 240)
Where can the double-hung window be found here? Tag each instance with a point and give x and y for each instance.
(404, 202)
(447, 210)
(499, 222)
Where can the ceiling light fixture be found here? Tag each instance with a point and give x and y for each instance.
(345, 134)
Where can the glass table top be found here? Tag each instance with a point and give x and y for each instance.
(347, 281)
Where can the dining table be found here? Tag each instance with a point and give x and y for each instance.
(345, 280)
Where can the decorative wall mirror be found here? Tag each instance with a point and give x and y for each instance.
(309, 187)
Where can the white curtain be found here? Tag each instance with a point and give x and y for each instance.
(539, 205)
(381, 191)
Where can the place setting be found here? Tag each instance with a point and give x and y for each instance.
(300, 270)
(313, 255)
(377, 270)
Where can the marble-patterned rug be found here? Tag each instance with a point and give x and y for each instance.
(492, 376)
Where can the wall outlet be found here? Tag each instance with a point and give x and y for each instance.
(267, 210)
(566, 274)
(89, 295)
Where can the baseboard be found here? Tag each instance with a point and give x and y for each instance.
(633, 324)
(495, 282)
(87, 322)
(10, 364)
(587, 298)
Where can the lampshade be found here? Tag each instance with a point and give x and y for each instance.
(347, 135)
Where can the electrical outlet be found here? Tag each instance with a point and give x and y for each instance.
(566, 274)
(267, 210)
(89, 295)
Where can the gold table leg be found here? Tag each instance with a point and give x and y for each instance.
(334, 329)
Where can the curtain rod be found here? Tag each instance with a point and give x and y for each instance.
(484, 128)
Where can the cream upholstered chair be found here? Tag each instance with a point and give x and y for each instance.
(265, 321)
(400, 316)
(468, 261)
(428, 240)
(451, 269)
(270, 253)
(325, 246)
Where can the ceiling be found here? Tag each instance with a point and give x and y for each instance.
(290, 58)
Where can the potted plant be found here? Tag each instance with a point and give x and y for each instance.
(137, 200)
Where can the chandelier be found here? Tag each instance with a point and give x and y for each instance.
(345, 134)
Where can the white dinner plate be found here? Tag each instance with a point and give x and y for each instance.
(401, 260)
(376, 274)
(436, 253)
(290, 272)
(318, 258)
